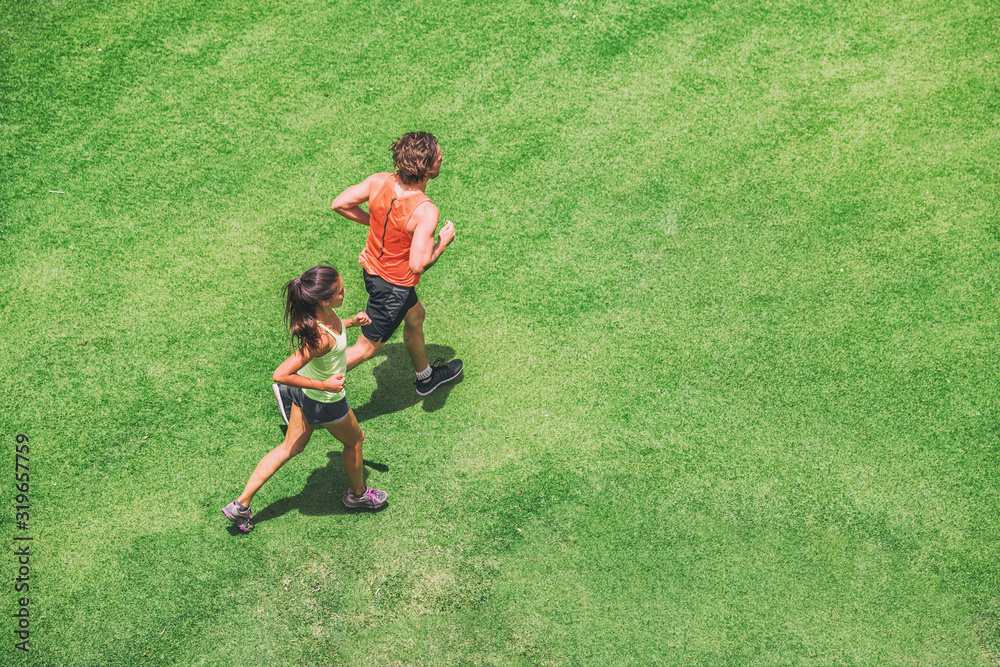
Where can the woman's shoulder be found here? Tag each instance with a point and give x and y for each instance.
(326, 342)
(328, 332)
(332, 327)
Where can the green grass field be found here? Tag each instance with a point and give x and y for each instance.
(725, 284)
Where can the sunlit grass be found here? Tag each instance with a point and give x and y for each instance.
(724, 285)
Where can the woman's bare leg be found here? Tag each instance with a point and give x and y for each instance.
(296, 438)
(349, 432)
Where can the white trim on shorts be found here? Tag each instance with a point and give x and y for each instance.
(281, 405)
(338, 420)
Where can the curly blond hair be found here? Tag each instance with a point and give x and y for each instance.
(414, 154)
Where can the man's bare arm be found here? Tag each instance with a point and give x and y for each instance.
(424, 251)
(348, 203)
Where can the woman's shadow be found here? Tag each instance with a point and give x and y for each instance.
(322, 493)
(394, 378)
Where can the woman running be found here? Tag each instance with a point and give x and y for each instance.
(315, 373)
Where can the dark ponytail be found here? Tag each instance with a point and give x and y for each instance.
(302, 297)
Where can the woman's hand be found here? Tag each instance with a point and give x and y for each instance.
(335, 384)
(360, 320)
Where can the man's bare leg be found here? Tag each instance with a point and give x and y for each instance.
(362, 350)
(413, 337)
(428, 378)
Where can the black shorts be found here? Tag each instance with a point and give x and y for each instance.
(317, 412)
(387, 306)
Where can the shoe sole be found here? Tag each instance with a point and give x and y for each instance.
(431, 391)
(366, 508)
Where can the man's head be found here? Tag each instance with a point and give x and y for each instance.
(417, 157)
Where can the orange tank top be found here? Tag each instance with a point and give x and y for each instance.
(387, 252)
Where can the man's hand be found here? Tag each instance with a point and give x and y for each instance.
(447, 233)
(360, 320)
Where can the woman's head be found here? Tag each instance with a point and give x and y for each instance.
(417, 157)
(319, 286)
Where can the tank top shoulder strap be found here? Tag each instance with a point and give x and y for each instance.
(331, 332)
(420, 201)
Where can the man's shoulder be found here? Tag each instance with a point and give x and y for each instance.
(378, 180)
(426, 209)
(424, 216)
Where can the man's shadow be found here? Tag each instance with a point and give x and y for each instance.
(394, 392)
(394, 378)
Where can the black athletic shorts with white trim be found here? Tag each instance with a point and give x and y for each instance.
(387, 306)
(315, 412)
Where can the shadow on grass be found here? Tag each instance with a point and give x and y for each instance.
(321, 496)
(394, 392)
(394, 379)
(394, 389)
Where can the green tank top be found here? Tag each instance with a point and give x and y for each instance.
(325, 367)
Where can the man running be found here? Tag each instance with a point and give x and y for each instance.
(401, 223)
